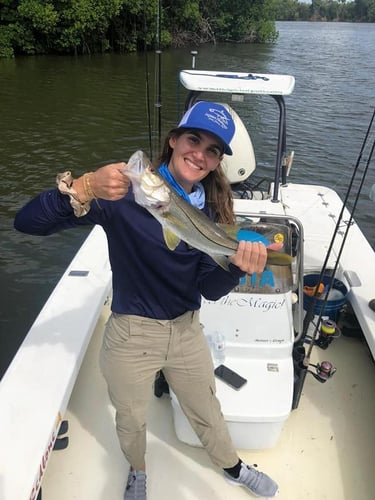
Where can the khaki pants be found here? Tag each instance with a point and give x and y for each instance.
(134, 350)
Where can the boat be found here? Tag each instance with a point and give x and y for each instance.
(306, 413)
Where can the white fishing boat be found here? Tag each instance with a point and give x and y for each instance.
(57, 430)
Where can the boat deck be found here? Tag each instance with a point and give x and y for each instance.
(326, 449)
(327, 446)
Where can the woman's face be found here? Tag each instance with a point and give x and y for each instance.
(195, 154)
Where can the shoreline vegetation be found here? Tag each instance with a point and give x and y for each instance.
(31, 27)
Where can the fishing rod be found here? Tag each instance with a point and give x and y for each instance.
(348, 225)
(148, 111)
(304, 358)
(158, 73)
(309, 316)
(157, 82)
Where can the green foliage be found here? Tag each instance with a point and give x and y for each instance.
(241, 20)
(371, 11)
(326, 10)
(40, 17)
(6, 41)
(266, 32)
(79, 26)
(84, 26)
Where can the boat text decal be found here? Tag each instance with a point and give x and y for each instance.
(249, 301)
(45, 458)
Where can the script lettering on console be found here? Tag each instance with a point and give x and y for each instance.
(256, 302)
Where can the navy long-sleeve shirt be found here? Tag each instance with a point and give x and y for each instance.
(148, 279)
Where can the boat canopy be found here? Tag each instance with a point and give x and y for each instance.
(237, 83)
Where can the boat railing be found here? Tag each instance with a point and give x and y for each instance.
(37, 386)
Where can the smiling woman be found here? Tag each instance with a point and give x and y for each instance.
(195, 154)
(193, 150)
(149, 305)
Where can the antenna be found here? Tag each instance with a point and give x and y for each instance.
(158, 66)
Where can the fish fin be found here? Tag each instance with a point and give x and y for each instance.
(221, 260)
(173, 220)
(278, 258)
(171, 239)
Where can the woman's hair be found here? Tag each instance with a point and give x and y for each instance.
(216, 185)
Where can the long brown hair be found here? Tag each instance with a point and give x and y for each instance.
(216, 185)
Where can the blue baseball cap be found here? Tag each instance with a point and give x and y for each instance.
(211, 117)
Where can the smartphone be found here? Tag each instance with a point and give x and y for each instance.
(230, 377)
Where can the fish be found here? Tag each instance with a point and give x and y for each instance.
(182, 221)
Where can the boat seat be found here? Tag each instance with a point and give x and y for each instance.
(256, 319)
(259, 337)
(241, 164)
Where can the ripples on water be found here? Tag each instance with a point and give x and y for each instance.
(60, 113)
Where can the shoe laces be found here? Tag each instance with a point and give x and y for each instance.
(137, 481)
(252, 476)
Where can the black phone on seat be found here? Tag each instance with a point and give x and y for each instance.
(230, 377)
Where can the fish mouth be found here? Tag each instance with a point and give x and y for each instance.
(161, 205)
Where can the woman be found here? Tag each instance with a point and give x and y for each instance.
(157, 293)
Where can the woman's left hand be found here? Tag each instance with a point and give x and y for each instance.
(251, 257)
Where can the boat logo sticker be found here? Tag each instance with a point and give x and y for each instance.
(278, 238)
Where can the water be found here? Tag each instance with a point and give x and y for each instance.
(60, 113)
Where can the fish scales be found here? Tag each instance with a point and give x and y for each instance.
(181, 220)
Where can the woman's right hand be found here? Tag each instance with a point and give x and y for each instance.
(109, 183)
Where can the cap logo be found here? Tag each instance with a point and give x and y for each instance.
(218, 117)
(212, 117)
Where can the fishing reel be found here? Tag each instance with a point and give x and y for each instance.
(328, 332)
(323, 371)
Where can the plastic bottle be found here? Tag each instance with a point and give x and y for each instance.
(218, 348)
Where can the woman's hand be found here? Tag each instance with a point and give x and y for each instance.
(109, 183)
(251, 257)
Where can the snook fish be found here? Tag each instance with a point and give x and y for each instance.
(181, 220)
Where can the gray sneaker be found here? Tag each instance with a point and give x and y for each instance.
(136, 486)
(257, 482)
